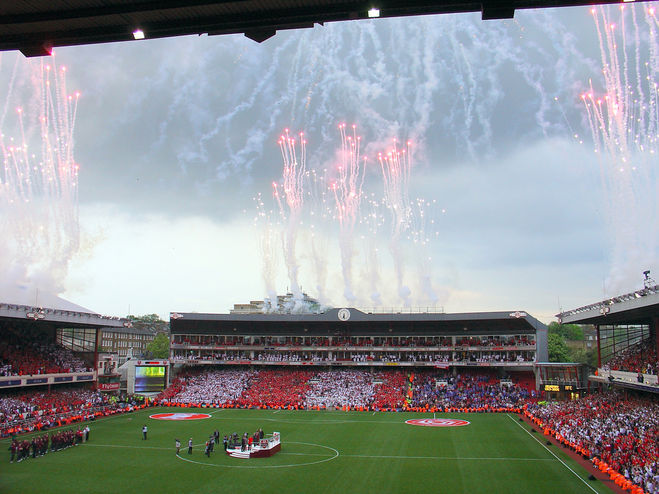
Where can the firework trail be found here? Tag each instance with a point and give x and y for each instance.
(320, 215)
(39, 181)
(347, 190)
(267, 241)
(395, 167)
(373, 221)
(336, 199)
(443, 76)
(293, 178)
(422, 232)
(624, 122)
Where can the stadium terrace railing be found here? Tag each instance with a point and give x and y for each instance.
(631, 377)
(510, 348)
(46, 379)
(351, 363)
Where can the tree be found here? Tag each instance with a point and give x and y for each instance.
(572, 332)
(557, 349)
(159, 347)
(150, 322)
(583, 356)
(146, 319)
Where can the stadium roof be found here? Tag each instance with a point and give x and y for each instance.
(511, 320)
(29, 296)
(639, 307)
(59, 318)
(35, 27)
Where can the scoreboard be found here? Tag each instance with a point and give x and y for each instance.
(148, 376)
(558, 387)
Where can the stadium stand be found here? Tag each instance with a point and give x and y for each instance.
(637, 358)
(471, 392)
(28, 353)
(620, 435)
(27, 411)
(389, 394)
(276, 388)
(344, 387)
(212, 387)
(360, 389)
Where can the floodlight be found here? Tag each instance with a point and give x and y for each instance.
(138, 34)
(374, 12)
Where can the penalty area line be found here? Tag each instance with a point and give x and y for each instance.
(552, 453)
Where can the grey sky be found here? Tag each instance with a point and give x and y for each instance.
(175, 137)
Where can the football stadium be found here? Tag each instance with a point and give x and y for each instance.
(329, 401)
(289, 394)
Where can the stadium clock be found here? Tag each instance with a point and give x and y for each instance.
(344, 314)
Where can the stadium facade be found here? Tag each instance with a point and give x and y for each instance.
(508, 342)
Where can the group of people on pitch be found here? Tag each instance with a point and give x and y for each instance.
(39, 445)
(246, 441)
(231, 441)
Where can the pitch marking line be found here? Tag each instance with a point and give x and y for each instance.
(336, 455)
(443, 458)
(323, 422)
(552, 453)
(376, 457)
(125, 446)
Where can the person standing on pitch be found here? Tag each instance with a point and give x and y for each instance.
(190, 446)
(178, 446)
(144, 429)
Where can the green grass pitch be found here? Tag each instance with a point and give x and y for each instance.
(322, 452)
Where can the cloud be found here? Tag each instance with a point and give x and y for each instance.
(176, 137)
(153, 263)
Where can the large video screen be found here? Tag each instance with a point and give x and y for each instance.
(150, 379)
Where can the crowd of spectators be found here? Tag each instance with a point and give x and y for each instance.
(390, 391)
(480, 392)
(339, 388)
(213, 387)
(274, 355)
(27, 411)
(292, 357)
(354, 341)
(32, 352)
(330, 389)
(276, 388)
(637, 358)
(620, 434)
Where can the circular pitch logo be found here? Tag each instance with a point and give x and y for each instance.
(180, 416)
(437, 422)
